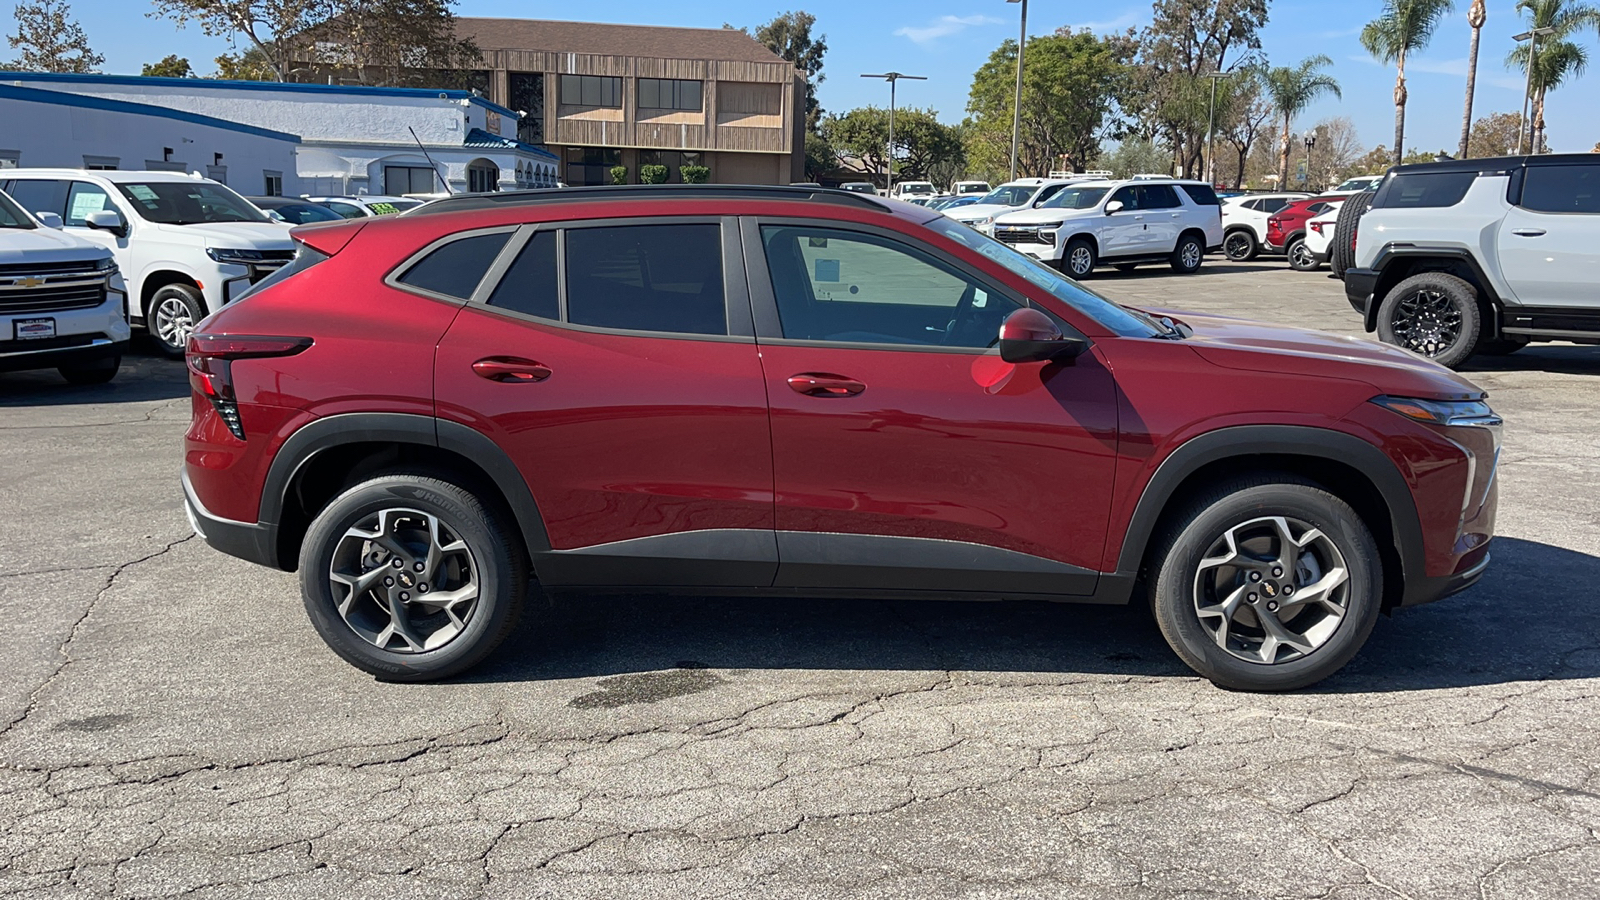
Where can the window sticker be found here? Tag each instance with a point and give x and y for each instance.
(980, 299)
(142, 191)
(817, 242)
(827, 270)
(84, 203)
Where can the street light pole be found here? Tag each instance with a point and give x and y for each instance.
(1016, 100)
(893, 77)
(1527, 92)
(1211, 129)
(1311, 141)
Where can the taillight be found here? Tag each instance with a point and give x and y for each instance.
(1316, 226)
(210, 360)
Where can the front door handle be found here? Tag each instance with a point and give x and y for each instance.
(1527, 232)
(821, 384)
(1177, 215)
(510, 370)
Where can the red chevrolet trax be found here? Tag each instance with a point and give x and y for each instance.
(800, 392)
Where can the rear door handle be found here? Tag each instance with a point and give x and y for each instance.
(1177, 215)
(821, 384)
(510, 370)
(1527, 232)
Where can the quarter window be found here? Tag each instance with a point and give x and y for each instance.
(664, 278)
(529, 286)
(591, 90)
(862, 289)
(1561, 189)
(1426, 190)
(456, 268)
(669, 93)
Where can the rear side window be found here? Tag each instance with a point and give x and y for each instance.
(455, 269)
(1201, 194)
(1561, 189)
(1426, 190)
(529, 286)
(1157, 196)
(1273, 204)
(665, 278)
(37, 196)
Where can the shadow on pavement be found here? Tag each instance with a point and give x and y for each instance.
(1516, 625)
(145, 375)
(1562, 359)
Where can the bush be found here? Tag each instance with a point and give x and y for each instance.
(619, 174)
(653, 174)
(694, 174)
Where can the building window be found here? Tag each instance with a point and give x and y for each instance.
(272, 183)
(401, 180)
(10, 159)
(219, 174)
(527, 96)
(674, 160)
(482, 176)
(591, 90)
(101, 163)
(591, 165)
(669, 93)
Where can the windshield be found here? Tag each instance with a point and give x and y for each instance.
(189, 203)
(12, 216)
(1354, 184)
(301, 213)
(1076, 198)
(1126, 322)
(1009, 195)
(916, 187)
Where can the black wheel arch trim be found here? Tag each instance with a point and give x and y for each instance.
(1279, 440)
(1384, 279)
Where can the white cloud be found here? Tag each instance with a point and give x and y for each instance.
(944, 26)
(1124, 21)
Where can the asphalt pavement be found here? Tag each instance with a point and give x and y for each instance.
(173, 726)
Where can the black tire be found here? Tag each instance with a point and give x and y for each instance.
(98, 372)
(1301, 258)
(171, 315)
(1079, 258)
(1342, 253)
(1127, 267)
(499, 566)
(1247, 506)
(1188, 254)
(1434, 314)
(1500, 346)
(1240, 245)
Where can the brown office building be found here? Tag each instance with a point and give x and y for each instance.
(600, 96)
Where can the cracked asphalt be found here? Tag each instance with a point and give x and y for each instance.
(175, 728)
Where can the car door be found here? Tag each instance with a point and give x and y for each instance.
(1549, 242)
(1163, 218)
(906, 454)
(1122, 233)
(615, 365)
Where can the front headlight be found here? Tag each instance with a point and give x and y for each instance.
(235, 257)
(1471, 413)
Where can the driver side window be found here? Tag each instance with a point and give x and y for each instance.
(857, 288)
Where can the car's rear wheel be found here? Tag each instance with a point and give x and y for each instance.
(1240, 245)
(172, 315)
(1078, 260)
(1301, 257)
(1433, 314)
(411, 577)
(1268, 583)
(1187, 256)
(98, 372)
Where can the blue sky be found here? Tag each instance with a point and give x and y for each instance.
(947, 41)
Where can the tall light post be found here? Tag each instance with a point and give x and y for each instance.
(1016, 100)
(893, 77)
(1311, 141)
(1527, 92)
(1211, 129)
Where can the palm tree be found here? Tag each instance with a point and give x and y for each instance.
(1475, 17)
(1403, 27)
(1558, 58)
(1292, 89)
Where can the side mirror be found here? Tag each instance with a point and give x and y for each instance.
(1113, 206)
(49, 219)
(1029, 335)
(107, 220)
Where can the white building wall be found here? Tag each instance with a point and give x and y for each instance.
(74, 137)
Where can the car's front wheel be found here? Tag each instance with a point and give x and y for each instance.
(1267, 583)
(411, 577)
(1079, 259)
(172, 315)
(1433, 314)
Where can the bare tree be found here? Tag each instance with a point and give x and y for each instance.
(51, 40)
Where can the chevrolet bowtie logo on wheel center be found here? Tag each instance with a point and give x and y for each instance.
(1270, 589)
(406, 579)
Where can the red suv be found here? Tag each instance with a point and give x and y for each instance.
(1286, 229)
(793, 391)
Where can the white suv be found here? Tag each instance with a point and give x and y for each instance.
(1118, 223)
(1009, 197)
(1479, 255)
(62, 305)
(185, 245)
(1244, 222)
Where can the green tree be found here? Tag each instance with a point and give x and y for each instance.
(1292, 89)
(820, 157)
(1497, 134)
(789, 36)
(51, 40)
(1404, 27)
(173, 66)
(1071, 86)
(251, 65)
(1476, 16)
(1559, 58)
(1136, 156)
(922, 142)
(264, 25)
(1244, 114)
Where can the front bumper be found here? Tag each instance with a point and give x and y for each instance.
(251, 541)
(1427, 590)
(1359, 285)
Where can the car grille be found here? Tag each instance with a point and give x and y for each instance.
(1016, 234)
(273, 261)
(50, 288)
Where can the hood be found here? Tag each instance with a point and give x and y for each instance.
(236, 235)
(977, 211)
(45, 245)
(1253, 346)
(1046, 216)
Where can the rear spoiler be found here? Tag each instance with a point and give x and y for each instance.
(327, 238)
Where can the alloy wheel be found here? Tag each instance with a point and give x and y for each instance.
(173, 321)
(1427, 322)
(404, 581)
(1081, 261)
(1271, 590)
(1190, 255)
(1301, 256)
(1237, 246)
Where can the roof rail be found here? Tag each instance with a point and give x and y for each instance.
(499, 199)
